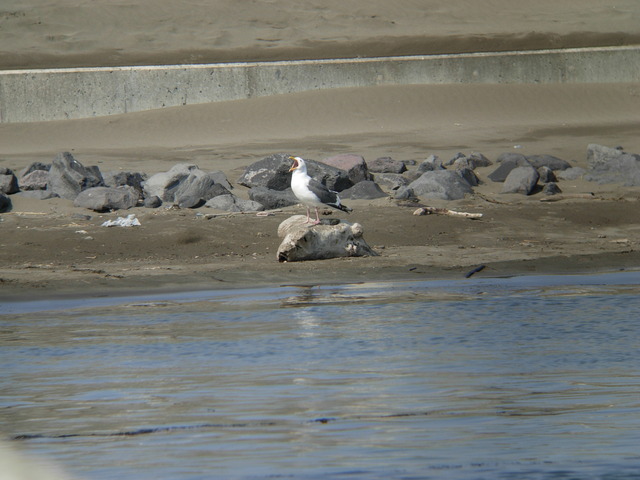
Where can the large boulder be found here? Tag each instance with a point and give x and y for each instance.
(35, 180)
(612, 165)
(104, 199)
(549, 161)
(303, 241)
(508, 161)
(354, 165)
(366, 190)
(121, 179)
(186, 185)
(68, 177)
(198, 188)
(165, 184)
(231, 203)
(8, 181)
(272, 199)
(272, 172)
(521, 180)
(387, 165)
(440, 184)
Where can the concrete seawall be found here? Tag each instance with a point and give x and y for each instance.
(56, 94)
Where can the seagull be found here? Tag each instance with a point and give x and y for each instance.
(311, 192)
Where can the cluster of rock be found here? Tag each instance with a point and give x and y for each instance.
(268, 180)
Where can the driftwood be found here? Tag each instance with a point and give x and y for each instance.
(304, 241)
(445, 211)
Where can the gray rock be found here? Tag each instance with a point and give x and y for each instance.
(366, 190)
(469, 176)
(5, 203)
(549, 161)
(68, 177)
(354, 165)
(272, 172)
(508, 161)
(38, 194)
(612, 165)
(478, 160)
(272, 199)
(104, 199)
(152, 202)
(392, 181)
(430, 164)
(521, 180)
(551, 188)
(387, 165)
(440, 184)
(546, 175)
(8, 181)
(302, 241)
(33, 167)
(165, 184)
(231, 203)
(35, 180)
(405, 193)
(196, 189)
(572, 173)
(121, 179)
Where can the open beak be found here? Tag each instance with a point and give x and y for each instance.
(295, 164)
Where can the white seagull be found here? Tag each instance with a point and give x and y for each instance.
(311, 192)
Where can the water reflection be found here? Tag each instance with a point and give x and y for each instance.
(489, 379)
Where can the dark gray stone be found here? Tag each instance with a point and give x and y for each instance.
(431, 164)
(231, 203)
(551, 188)
(404, 193)
(152, 202)
(354, 165)
(508, 161)
(364, 190)
(35, 180)
(572, 173)
(104, 199)
(612, 165)
(196, 189)
(387, 165)
(68, 177)
(8, 181)
(392, 181)
(38, 194)
(549, 161)
(469, 176)
(546, 175)
(121, 179)
(35, 166)
(478, 160)
(440, 184)
(272, 172)
(272, 199)
(521, 180)
(165, 184)
(5, 203)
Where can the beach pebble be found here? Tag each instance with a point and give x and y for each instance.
(387, 165)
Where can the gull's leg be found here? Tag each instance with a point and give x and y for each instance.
(317, 217)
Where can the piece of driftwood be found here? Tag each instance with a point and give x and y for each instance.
(304, 241)
(445, 211)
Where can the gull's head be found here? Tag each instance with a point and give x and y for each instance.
(297, 163)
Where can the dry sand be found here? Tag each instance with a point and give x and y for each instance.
(47, 250)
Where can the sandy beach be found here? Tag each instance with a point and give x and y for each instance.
(50, 247)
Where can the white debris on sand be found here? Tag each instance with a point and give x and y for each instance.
(130, 221)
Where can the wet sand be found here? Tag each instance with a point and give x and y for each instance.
(48, 249)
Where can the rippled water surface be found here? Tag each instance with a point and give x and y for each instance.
(520, 378)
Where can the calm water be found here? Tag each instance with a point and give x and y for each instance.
(520, 378)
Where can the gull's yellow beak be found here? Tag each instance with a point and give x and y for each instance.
(295, 164)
